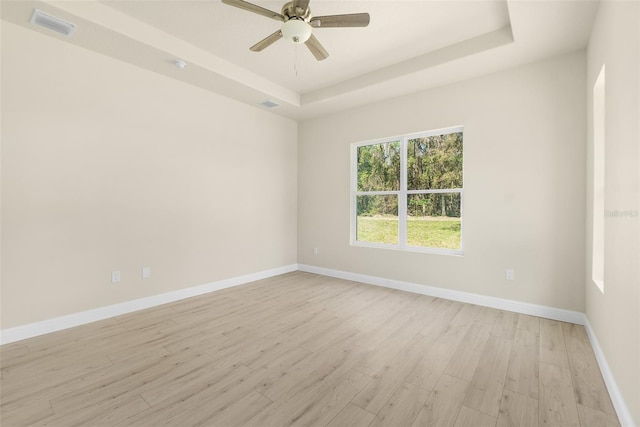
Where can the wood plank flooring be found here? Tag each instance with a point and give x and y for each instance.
(307, 350)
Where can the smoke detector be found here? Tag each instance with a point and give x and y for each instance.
(179, 63)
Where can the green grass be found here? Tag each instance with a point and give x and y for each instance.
(429, 232)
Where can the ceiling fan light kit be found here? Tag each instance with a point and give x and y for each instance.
(296, 31)
(298, 24)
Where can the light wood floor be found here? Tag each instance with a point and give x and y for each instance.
(301, 349)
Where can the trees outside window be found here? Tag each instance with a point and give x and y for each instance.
(407, 192)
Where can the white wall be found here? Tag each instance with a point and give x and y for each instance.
(524, 166)
(106, 166)
(615, 315)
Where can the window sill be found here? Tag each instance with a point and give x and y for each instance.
(434, 251)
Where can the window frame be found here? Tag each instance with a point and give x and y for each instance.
(598, 231)
(402, 194)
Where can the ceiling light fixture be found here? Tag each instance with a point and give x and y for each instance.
(296, 30)
(298, 22)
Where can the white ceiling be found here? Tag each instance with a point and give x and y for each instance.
(409, 45)
(392, 36)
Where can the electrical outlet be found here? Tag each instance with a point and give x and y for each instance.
(510, 274)
(115, 276)
(315, 251)
(146, 272)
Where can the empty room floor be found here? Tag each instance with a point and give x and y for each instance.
(303, 349)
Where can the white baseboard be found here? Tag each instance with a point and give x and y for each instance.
(624, 414)
(56, 324)
(467, 297)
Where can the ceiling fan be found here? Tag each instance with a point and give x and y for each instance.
(298, 24)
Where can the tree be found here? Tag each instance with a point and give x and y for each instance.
(433, 162)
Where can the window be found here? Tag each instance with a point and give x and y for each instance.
(597, 257)
(407, 192)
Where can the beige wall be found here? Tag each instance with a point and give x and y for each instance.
(106, 166)
(524, 166)
(615, 315)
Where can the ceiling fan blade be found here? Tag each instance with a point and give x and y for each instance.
(316, 48)
(302, 4)
(266, 42)
(351, 20)
(255, 9)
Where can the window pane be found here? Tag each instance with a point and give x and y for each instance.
(379, 167)
(435, 162)
(377, 220)
(434, 220)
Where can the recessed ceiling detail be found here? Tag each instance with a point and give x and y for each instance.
(408, 46)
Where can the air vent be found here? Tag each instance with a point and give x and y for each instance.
(52, 23)
(269, 104)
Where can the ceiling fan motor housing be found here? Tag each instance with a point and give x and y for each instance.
(291, 12)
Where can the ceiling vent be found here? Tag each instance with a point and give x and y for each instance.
(269, 104)
(52, 23)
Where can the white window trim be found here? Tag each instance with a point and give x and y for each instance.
(402, 195)
(598, 191)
